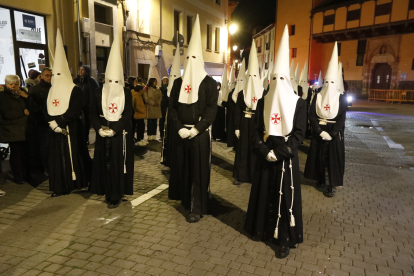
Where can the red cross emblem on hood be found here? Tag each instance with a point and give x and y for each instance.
(326, 107)
(276, 119)
(188, 89)
(113, 108)
(254, 100)
(55, 103)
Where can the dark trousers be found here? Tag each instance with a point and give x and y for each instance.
(161, 126)
(139, 128)
(87, 123)
(19, 160)
(152, 127)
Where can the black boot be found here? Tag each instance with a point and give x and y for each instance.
(283, 252)
(330, 192)
(191, 217)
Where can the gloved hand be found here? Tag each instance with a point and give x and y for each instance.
(184, 133)
(193, 133)
(53, 125)
(237, 132)
(109, 132)
(102, 132)
(58, 130)
(271, 157)
(325, 136)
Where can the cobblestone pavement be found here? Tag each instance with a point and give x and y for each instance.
(366, 229)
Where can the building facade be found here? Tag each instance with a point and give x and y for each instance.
(374, 40)
(265, 44)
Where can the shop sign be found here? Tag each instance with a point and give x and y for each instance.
(32, 35)
(29, 21)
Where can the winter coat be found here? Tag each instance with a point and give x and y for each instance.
(39, 94)
(29, 82)
(140, 112)
(86, 84)
(13, 120)
(153, 98)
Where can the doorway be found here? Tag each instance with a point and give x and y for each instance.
(381, 77)
(102, 55)
(143, 70)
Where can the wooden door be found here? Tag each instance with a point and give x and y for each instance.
(381, 77)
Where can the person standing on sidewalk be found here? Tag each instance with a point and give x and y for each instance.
(153, 98)
(164, 105)
(327, 117)
(140, 113)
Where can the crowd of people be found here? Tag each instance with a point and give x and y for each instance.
(264, 117)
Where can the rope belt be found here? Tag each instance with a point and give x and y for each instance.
(189, 125)
(326, 121)
(124, 133)
(70, 154)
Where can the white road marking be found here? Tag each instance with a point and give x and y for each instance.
(392, 144)
(374, 123)
(148, 195)
(380, 129)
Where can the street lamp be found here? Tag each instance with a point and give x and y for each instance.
(234, 47)
(233, 28)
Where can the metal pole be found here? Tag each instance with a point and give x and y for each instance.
(79, 34)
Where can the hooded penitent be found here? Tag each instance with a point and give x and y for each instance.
(224, 90)
(280, 102)
(292, 77)
(304, 81)
(327, 101)
(194, 72)
(62, 84)
(113, 97)
(241, 81)
(175, 72)
(232, 82)
(253, 90)
(297, 76)
(341, 88)
(265, 77)
(320, 81)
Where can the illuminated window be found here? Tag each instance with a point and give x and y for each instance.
(294, 52)
(378, 79)
(387, 79)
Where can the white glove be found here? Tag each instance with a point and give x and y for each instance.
(325, 136)
(58, 130)
(184, 133)
(109, 132)
(193, 133)
(102, 132)
(271, 157)
(53, 125)
(237, 132)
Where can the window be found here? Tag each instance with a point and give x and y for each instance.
(6, 36)
(383, 9)
(177, 22)
(294, 52)
(339, 49)
(29, 27)
(208, 37)
(292, 28)
(329, 19)
(103, 14)
(360, 60)
(412, 65)
(353, 15)
(362, 45)
(259, 45)
(217, 40)
(189, 28)
(411, 5)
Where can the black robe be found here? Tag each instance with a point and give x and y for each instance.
(330, 154)
(218, 129)
(245, 158)
(231, 136)
(191, 158)
(167, 141)
(108, 176)
(308, 99)
(60, 166)
(263, 206)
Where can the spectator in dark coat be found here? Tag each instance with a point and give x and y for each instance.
(86, 83)
(15, 107)
(164, 104)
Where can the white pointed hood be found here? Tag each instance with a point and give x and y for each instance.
(232, 80)
(265, 79)
(224, 90)
(293, 77)
(341, 87)
(320, 81)
(194, 71)
(327, 101)
(241, 81)
(175, 71)
(280, 102)
(297, 74)
(113, 96)
(304, 81)
(62, 84)
(253, 91)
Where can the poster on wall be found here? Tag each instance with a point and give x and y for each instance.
(29, 27)
(7, 66)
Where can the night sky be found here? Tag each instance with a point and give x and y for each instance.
(250, 14)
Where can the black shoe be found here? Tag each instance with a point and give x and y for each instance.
(124, 199)
(330, 192)
(20, 182)
(191, 218)
(55, 195)
(114, 204)
(320, 184)
(236, 182)
(283, 252)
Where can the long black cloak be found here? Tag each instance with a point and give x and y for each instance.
(262, 212)
(330, 154)
(231, 136)
(219, 126)
(108, 176)
(245, 159)
(167, 141)
(191, 158)
(60, 165)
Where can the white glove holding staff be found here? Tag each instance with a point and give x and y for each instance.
(54, 126)
(325, 136)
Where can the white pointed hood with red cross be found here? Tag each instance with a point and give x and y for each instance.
(62, 85)
(327, 101)
(175, 71)
(241, 81)
(304, 81)
(253, 90)
(280, 102)
(194, 72)
(113, 96)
